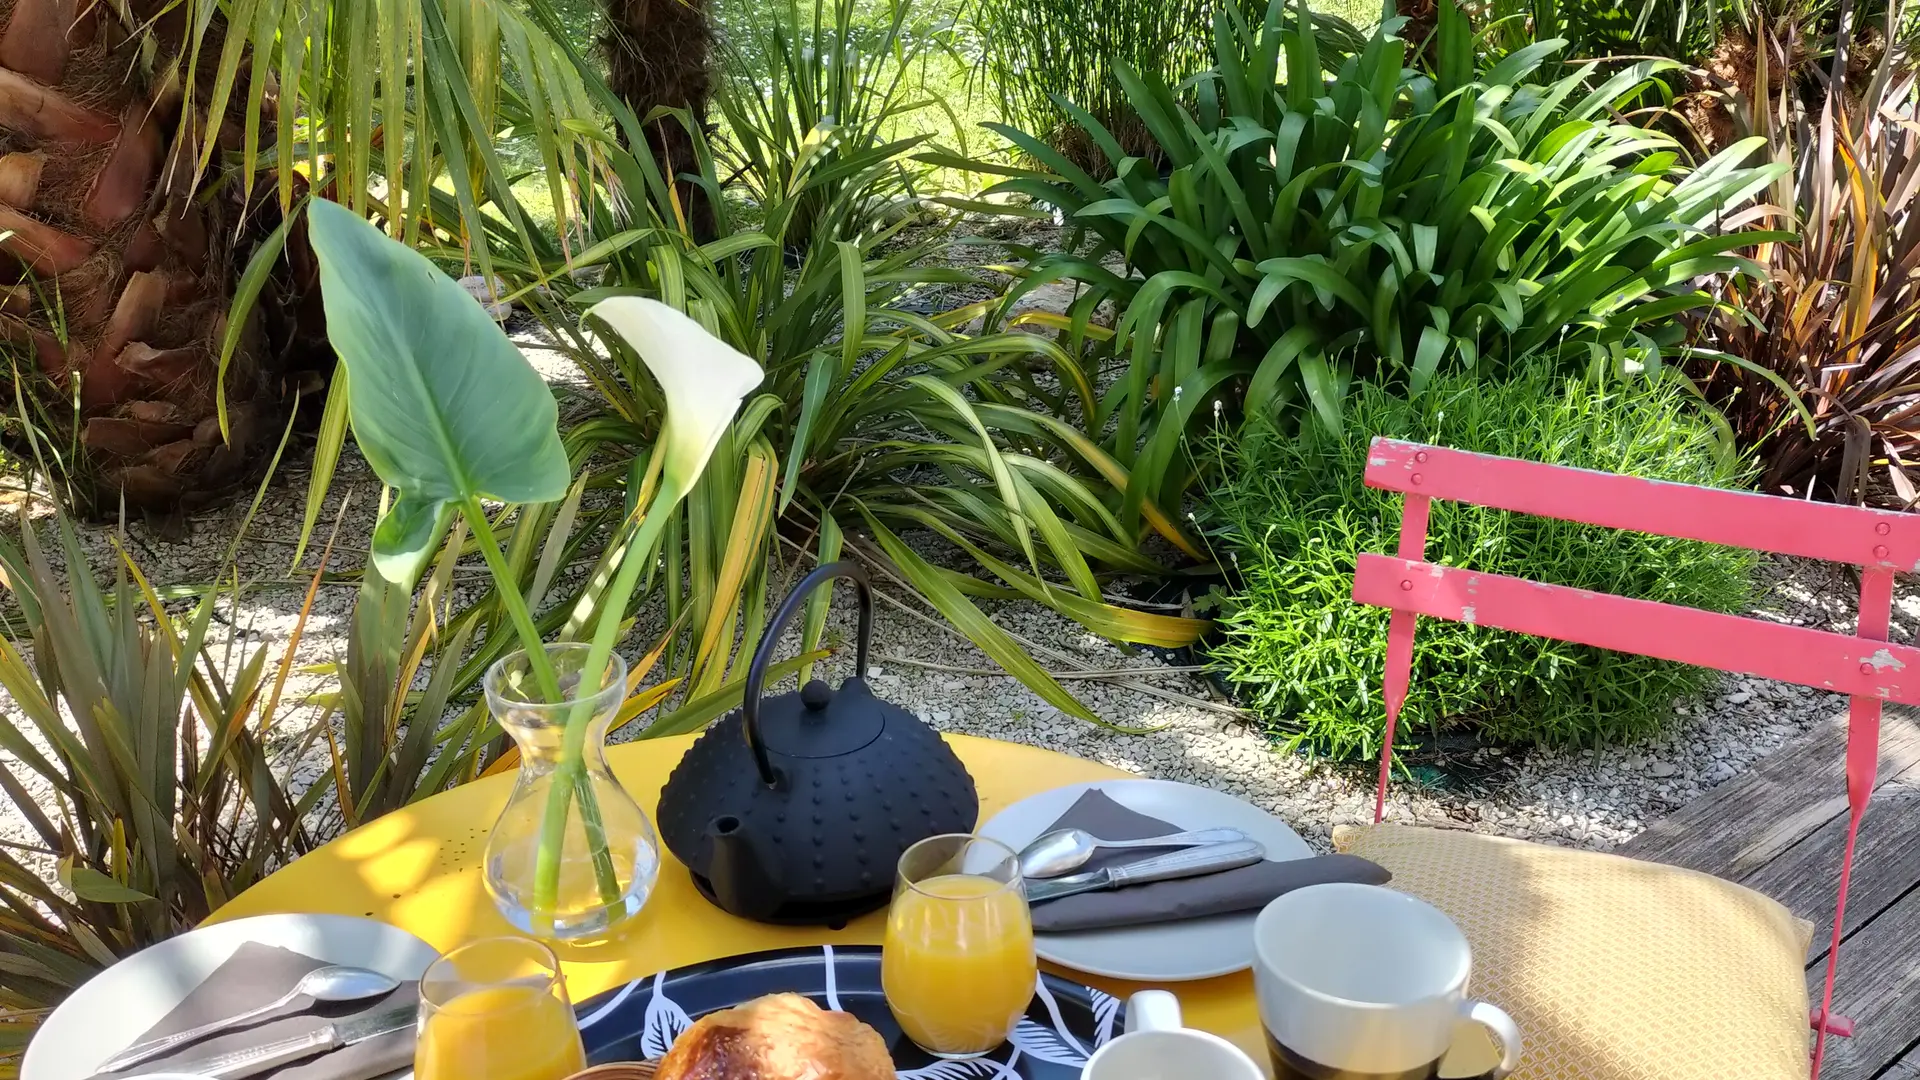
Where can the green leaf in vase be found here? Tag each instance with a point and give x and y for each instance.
(444, 407)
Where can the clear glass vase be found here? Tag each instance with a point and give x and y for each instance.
(607, 857)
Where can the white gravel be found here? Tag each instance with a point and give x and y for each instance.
(1590, 798)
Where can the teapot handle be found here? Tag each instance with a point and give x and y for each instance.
(763, 656)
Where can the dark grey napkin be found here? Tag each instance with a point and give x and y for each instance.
(1246, 888)
(254, 975)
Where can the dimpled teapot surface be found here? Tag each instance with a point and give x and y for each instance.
(795, 808)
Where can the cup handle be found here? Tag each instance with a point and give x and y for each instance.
(1505, 1032)
(1157, 1010)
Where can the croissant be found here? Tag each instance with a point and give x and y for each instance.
(777, 1037)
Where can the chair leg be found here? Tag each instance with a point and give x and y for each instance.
(1414, 512)
(1863, 769)
(1399, 673)
(1824, 1020)
(1386, 768)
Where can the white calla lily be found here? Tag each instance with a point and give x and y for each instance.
(704, 379)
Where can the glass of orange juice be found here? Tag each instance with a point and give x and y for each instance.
(958, 965)
(496, 1009)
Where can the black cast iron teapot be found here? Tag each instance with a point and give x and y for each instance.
(796, 809)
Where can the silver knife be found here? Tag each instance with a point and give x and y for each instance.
(238, 1064)
(1191, 862)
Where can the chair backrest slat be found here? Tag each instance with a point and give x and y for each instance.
(1797, 654)
(1847, 534)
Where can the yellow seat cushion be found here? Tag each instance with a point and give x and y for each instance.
(1615, 969)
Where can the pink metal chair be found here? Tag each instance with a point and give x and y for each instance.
(1864, 666)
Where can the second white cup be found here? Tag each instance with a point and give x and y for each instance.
(1157, 1047)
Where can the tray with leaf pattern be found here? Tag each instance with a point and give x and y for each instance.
(638, 1022)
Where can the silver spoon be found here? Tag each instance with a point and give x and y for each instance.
(1063, 851)
(335, 982)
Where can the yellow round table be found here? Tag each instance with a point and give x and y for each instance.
(419, 869)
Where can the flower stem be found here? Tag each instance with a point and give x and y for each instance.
(508, 589)
(572, 767)
(546, 876)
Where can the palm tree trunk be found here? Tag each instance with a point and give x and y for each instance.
(120, 276)
(659, 54)
(1423, 18)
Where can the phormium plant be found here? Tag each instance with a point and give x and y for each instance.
(1815, 364)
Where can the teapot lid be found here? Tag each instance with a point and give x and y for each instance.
(820, 722)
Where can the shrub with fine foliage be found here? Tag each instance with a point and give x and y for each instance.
(1293, 514)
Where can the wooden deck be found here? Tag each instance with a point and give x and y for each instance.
(1779, 829)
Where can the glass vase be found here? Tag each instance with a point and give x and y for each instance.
(607, 858)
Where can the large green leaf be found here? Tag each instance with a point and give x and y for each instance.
(443, 406)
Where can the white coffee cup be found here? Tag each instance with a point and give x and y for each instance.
(1156, 1047)
(1359, 981)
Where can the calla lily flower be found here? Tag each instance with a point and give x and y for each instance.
(704, 379)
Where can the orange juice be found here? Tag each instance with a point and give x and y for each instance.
(958, 965)
(502, 1032)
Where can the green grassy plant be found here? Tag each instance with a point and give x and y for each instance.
(813, 86)
(1694, 32)
(1312, 232)
(1294, 514)
(1037, 49)
(1041, 52)
(157, 800)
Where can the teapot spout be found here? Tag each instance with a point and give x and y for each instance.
(738, 875)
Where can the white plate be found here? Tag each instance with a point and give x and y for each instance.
(1163, 952)
(114, 1008)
